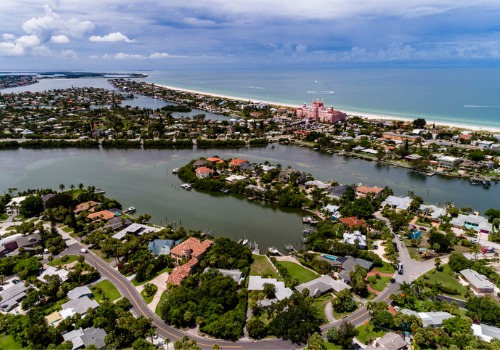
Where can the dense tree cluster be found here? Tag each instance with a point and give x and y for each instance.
(209, 299)
(228, 254)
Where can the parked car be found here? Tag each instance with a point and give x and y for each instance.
(83, 250)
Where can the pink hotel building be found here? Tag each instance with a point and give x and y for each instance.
(318, 111)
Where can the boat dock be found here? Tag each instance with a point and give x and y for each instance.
(256, 249)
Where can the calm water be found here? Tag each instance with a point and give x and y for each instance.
(143, 178)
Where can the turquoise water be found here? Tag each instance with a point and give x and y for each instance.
(331, 257)
(448, 95)
(415, 234)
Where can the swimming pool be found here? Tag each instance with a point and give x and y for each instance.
(331, 257)
(415, 234)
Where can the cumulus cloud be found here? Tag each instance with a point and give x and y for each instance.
(159, 55)
(19, 46)
(59, 39)
(124, 56)
(8, 37)
(52, 24)
(112, 37)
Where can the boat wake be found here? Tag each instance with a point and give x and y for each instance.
(320, 92)
(255, 87)
(480, 106)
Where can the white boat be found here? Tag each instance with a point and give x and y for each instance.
(273, 250)
(186, 186)
(175, 171)
(306, 219)
(130, 210)
(99, 191)
(245, 241)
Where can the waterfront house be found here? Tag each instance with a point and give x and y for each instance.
(348, 264)
(322, 285)
(286, 176)
(237, 163)
(363, 191)
(94, 337)
(471, 221)
(353, 222)
(337, 191)
(15, 202)
(318, 111)
(435, 213)
(236, 275)
(393, 202)
(400, 137)
(118, 223)
(85, 206)
(235, 178)
(161, 246)
(448, 162)
(181, 272)
(101, 215)
(203, 172)
(190, 248)
(135, 229)
(355, 238)
(478, 281)
(199, 163)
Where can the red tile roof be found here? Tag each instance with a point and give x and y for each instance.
(353, 221)
(237, 162)
(181, 272)
(193, 244)
(215, 160)
(204, 170)
(85, 206)
(103, 214)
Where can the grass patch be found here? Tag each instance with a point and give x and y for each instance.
(262, 267)
(149, 298)
(67, 229)
(166, 269)
(100, 254)
(367, 333)
(320, 304)
(59, 262)
(379, 283)
(110, 291)
(3, 216)
(7, 342)
(162, 300)
(446, 280)
(331, 346)
(57, 306)
(297, 271)
(385, 268)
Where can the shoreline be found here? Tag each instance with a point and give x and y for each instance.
(365, 115)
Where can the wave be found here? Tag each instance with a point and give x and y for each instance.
(256, 87)
(480, 106)
(320, 92)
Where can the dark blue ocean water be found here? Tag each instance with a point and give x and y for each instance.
(468, 96)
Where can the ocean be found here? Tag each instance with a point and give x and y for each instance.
(465, 96)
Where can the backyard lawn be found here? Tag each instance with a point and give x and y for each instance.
(446, 279)
(385, 268)
(367, 332)
(7, 342)
(162, 299)
(320, 304)
(296, 271)
(109, 290)
(262, 267)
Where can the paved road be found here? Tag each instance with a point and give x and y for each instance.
(139, 307)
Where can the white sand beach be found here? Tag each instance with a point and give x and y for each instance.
(366, 115)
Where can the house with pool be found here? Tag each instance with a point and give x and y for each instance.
(478, 223)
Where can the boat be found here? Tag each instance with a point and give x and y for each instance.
(307, 231)
(175, 171)
(313, 222)
(431, 173)
(245, 242)
(290, 248)
(486, 182)
(187, 186)
(273, 250)
(130, 210)
(475, 181)
(240, 240)
(306, 219)
(99, 191)
(225, 190)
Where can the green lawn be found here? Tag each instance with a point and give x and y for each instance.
(149, 299)
(446, 279)
(331, 346)
(67, 229)
(166, 269)
(59, 262)
(109, 290)
(3, 217)
(262, 267)
(379, 283)
(7, 342)
(320, 304)
(385, 268)
(162, 299)
(368, 333)
(297, 271)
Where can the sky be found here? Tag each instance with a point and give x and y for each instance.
(110, 35)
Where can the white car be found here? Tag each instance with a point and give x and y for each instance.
(83, 250)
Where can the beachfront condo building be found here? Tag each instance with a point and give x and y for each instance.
(318, 111)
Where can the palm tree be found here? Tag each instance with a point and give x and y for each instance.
(474, 250)
(72, 187)
(437, 262)
(453, 307)
(80, 186)
(62, 187)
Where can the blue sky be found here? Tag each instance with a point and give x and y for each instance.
(152, 34)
